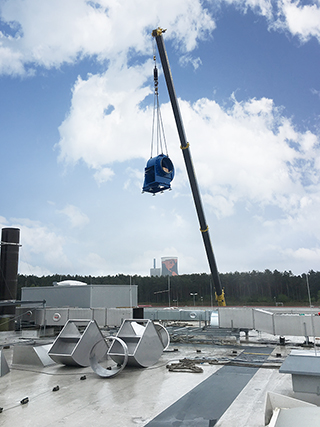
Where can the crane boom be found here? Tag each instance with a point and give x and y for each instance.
(157, 34)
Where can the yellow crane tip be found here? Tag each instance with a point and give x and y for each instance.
(158, 32)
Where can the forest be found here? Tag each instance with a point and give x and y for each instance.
(246, 288)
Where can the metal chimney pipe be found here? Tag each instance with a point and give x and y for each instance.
(10, 238)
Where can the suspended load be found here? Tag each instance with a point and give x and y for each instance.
(158, 174)
(159, 171)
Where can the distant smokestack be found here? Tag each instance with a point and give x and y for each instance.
(154, 263)
(10, 239)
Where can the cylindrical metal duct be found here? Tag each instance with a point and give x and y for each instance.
(10, 239)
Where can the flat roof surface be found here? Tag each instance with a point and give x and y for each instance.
(231, 390)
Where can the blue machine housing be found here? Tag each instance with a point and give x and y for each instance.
(158, 174)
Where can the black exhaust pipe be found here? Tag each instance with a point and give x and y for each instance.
(10, 239)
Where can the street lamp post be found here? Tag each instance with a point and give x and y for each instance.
(194, 297)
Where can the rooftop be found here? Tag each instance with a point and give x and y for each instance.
(230, 389)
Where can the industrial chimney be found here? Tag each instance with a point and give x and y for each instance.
(10, 238)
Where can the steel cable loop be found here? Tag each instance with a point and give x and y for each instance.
(111, 371)
(157, 128)
(153, 125)
(161, 127)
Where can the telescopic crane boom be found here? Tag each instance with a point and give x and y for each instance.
(157, 34)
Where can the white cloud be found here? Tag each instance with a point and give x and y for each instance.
(39, 247)
(103, 175)
(35, 270)
(10, 61)
(306, 254)
(76, 218)
(315, 92)
(3, 222)
(50, 33)
(179, 221)
(263, 7)
(249, 160)
(134, 178)
(100, 138)
(301, 20)
(188, 59)
(96, 264)
(249, 152)
(222, 205)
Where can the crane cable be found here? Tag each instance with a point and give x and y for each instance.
(157, 123)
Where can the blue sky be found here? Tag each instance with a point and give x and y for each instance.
(75, 130)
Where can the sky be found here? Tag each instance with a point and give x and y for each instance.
(76, 108)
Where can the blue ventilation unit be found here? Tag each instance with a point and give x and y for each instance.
(158, 174)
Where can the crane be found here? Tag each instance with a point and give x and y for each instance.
(185, 146)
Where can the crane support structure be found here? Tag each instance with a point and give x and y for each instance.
(157, 34)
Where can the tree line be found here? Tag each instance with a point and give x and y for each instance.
(255, 287)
